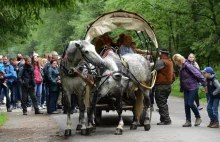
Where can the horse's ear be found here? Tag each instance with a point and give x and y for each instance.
(78, 45)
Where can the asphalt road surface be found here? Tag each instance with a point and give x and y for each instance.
(171, 133)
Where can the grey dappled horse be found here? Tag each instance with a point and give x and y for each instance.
(115, 81)
(75, 53)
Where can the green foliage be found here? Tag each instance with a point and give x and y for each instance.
(3, 119)
(18, 17)
(181, 26)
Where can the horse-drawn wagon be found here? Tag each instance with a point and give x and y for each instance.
(113, 73)
(129, 21)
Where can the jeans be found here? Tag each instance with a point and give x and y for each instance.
(6, 93)
(207, 97)
(189, 98)
(38, 91)
(17, 93)
(52, 101)
(2, 95)
(45, 92)
(212, 109)
(74, 101)
(197, 98)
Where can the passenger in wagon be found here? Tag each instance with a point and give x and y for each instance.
(126, 45)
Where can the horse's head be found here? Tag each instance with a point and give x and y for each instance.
(89, 53)
(112, 83)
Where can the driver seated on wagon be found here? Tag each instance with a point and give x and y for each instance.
(126, 45)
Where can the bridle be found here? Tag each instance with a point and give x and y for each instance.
(106, 76)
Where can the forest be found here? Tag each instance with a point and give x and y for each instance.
(182, 26)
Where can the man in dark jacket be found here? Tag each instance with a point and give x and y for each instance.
(17, 86)
(164, 67)
(27, 79)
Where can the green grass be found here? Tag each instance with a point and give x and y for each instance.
(202, 95)
(3, 119)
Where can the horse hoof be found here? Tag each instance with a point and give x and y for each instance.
(67, 132)
(118, 131)
(133, 127)
(94, 128)
(83, 132)
(79, 127)
(147, 127)
(88, 131)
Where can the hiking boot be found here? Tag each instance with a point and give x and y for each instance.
(198, 121)
(24, 113)
(164, 123)
(9, 110)
(38, 112)
(215, 125)
(54, 112)
(187, 124)
(211, 123)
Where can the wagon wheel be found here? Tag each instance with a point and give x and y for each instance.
(98, 116)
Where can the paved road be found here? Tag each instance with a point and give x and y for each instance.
(172, 133)
(48, 127)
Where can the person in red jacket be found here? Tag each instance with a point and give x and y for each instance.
(38, 79)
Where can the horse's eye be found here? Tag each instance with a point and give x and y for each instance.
(86, 52)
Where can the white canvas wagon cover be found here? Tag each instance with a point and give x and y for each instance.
(125, 19)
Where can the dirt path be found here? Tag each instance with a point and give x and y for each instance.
(29, 128)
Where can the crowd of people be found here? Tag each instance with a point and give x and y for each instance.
(37, 79)
(31, 82)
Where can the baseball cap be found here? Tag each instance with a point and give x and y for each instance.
(35, 54)
(208, 70)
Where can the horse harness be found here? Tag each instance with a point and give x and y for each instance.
(74, 72)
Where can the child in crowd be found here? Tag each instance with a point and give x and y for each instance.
(213, 87)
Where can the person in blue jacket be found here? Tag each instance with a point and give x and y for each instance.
(10, 75)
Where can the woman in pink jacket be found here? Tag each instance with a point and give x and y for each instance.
(38, 79)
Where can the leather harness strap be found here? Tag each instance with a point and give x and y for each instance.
(87, 80)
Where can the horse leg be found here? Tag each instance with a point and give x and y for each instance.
(82, 108)
(119, 129)
(146, 113)
(68, 107)
(135, 119)
(91, 110)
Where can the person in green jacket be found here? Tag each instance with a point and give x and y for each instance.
(54, 87)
